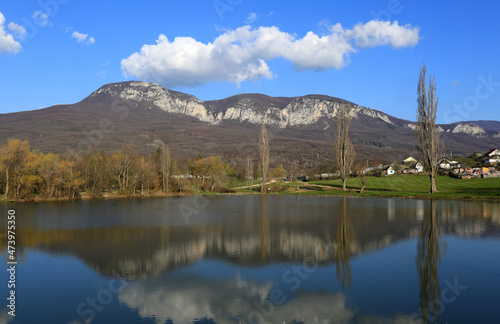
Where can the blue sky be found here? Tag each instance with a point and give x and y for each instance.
(369, 52)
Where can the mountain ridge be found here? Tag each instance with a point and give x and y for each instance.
(136, 114)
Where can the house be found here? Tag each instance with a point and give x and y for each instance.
(492, 152)
(491, 157)
(389, 170)
(412, 166)
(419, 167)
(409, 161)
(447, 164)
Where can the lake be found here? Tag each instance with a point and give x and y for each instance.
(254, 259)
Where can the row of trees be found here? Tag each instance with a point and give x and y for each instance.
(25, 172)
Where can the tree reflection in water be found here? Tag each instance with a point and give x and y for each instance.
(344, 238)
(428, 261)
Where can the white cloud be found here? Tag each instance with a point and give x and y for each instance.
(41, 18)
(19, 30)
(379, 33)
(241, 54)
(7, 42)
(79, 36)
(83, 38)
(251, 18)
(186, 299)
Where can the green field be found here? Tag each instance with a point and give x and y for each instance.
(404, 186)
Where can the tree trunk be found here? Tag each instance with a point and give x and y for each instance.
(52, 189)
(433, 184)
(344, 187)
(7, 184)
(362, 187)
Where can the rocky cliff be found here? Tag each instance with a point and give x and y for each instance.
(138, 114)
(254, 109)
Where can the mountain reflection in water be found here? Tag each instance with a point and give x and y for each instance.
(232, 256)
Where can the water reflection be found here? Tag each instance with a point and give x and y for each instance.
(252, 232)
(344, 240)
(227, 262)
(185, 299)
(428, 261)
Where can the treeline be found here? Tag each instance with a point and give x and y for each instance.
(26, 173)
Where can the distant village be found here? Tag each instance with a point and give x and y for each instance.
(487, 166)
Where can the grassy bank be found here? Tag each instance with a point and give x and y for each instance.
(399, 186)
(402, 186)
(414, 186)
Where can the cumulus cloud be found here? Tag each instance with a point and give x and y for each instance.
(186, 299)
(18, 30)
(83, 38)
(379, 33)
(7, 42)
(242, 54)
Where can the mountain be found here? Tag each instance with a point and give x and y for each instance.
(138, 114)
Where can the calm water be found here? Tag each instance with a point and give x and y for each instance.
(255, 259)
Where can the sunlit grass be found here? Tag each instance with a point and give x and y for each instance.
(416, 185)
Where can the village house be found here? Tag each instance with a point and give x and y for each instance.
(419, 167)
(447, 164)
(412, 166)
(389, 170)
(491, 157)
(410, 160)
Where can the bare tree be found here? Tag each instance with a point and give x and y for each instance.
(96, 168)
(427, 140)
(13, 157)
(343, 148)
(264, 154)
(249, 173)
(165, 161)
(362, 175)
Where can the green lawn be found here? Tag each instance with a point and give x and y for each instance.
(414, 185)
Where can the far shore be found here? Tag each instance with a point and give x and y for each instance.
(399, 186)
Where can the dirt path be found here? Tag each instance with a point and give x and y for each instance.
(255, 185)
(304, 185)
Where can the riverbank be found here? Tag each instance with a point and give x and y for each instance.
(397, 186)
(106, 195)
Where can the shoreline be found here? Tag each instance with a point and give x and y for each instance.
(305, 193)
